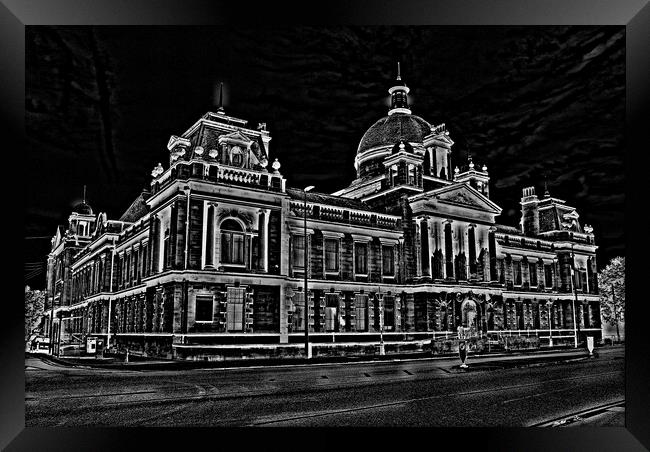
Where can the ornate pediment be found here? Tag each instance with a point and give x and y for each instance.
(463, 195)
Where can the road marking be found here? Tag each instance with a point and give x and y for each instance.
(580, 415)
(407, 372)
(536, 395)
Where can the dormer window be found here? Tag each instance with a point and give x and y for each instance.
(236, 156)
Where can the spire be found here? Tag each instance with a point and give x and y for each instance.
(84, 201)
(399, 95)
(220, 110)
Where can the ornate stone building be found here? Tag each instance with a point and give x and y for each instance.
(209, 263)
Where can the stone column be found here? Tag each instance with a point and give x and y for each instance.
(449, 251)
(209, 236)
(471, 244)
(492, 250)
(424, 247)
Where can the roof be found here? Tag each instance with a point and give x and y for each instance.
(83, 208)
(504, 228)
(393, 129)
(331, 200)
(137, 209)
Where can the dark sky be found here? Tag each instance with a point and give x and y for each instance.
(529, 102)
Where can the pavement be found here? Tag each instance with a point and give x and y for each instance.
(504, 359)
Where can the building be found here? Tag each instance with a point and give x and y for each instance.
(209, 263)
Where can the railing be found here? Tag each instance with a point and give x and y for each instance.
(341, 215)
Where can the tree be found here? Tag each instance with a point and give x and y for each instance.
(34, 311)
(611, 282)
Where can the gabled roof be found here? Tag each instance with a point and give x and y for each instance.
(137, 209)
(331, 200)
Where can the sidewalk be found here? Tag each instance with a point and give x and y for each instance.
(483, 361)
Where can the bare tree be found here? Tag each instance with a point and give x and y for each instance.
(611, 282)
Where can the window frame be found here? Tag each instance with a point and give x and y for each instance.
(357, 255)
(203, 298)
(383, 261)
(230, 252)
(336, 241)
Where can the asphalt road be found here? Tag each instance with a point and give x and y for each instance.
(426, 392)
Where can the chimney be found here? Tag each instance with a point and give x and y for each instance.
(529, 212)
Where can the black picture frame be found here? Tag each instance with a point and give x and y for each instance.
(634, 14)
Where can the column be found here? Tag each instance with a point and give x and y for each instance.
(209, 241)
(449, 251)
(424, 247)
(471, 243)
(492, 250)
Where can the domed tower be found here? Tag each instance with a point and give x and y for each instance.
(400, 154)
(81, 222)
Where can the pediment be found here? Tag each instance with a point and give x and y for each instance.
(462, 195)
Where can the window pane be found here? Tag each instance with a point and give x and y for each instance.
(226, 245)
(548, 276)
(389, 312)
(299, 251)
(360, 306)
(533, 274)
(203, 308)
(360, 258)
(388, 260)
(235, 309)
(238, 248)
(331, 255)
(516, 268)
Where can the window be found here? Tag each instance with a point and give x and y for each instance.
(298, 251)
(166, 257)
(331, 311)
(361, 258)
(532, 271)
(361, 307)
(235, 309)
(388, 260)
(389, 312)
(516, 273)
(203, 308)
(237, 157)
(548, 276)
(331, 255)
(298, 320)
(232, 243)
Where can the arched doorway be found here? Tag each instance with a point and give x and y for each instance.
(469, 314)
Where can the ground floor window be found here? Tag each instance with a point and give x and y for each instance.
(331, 312)
(203, 308)
(361, 311)
(235, 308)
(389, 312)
(298, 319)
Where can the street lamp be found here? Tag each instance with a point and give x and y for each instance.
(575, 298)
(382, 350)
(306, 292)
(550, 332)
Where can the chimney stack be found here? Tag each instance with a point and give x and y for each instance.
(529, 212)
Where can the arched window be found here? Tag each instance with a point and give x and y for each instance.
(236, 156)
(232, 242)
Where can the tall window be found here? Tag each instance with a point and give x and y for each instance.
(232, 243)
(361, 258)
(389, 312)
(331, 255)
(532, 271)
(298, 320)
(331, 311)
(235, 308)
(298, 251)
(388, 260)
(516, 273)
(166, 257)
(361, 309)
(203, 308)
(548, 276)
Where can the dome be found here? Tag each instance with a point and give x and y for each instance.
(83, 208)
(392, 129)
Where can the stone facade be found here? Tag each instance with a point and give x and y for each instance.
(212, 255)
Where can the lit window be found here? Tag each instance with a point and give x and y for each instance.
(361, 258)
(331, 255)
(232, 243)
(361, 308)
(235, 308)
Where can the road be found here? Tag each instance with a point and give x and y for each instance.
(424, 392)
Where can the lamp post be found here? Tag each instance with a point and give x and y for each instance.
(550, 332)
(382, 350)
(306, 292)
(575, 298)
(618, 334)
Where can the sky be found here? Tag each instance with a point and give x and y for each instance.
(535, 104)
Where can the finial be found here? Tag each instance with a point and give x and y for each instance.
(484, 168)
(276, 166)
(401, 145)
(399, 75)
(84, 194)
(456, 170)
(547, 194)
